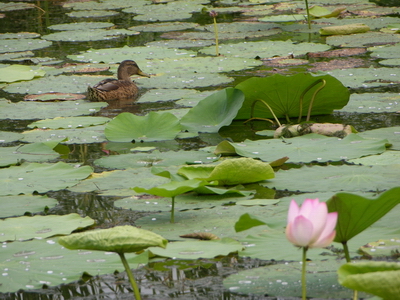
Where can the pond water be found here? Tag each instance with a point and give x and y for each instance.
(200, 279)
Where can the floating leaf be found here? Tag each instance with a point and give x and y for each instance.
(34, 177)
(344, 29)
(199, 249)
(22, 204)
(69, 122)
(19, 72)
(127, 127)
(214, 112)
(38, 227)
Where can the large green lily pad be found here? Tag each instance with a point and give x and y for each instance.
(285, 102)
(36, 152)
(119, 182)
(137, 160)
(35, 177)
(367, 77)
(114, 55)
(80, 26)
(199, 249)
(120, 239)
(284, 280)
(69, 122)
(39, 263)
(392, 134)
(336, 178)
(88, 35)
(373, 102)
(22, 204)
(17, 45)
(265, 49)
(39, 227)
(363, 39)
(306, 148)
(19, 72)
(34, 110)
(94, 134)
(127, 127)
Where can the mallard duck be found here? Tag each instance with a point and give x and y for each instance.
(121, 88)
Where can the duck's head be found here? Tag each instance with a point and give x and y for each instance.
(130, 68)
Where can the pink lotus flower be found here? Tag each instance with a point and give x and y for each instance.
(310, 226)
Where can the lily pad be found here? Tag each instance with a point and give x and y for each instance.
(378, 278)
(265, 49)
(24, 110)
(155, 158)
(114, 55)
(386, 158)
(198, 249)
(69, 122)
(36, 152)
(119, 239)
(213, 112)
(306, 148)
(283, 280)
(363, 39)
(39, 263)
(373, 102)
(164, 26)
(16, 45)
(23, 204)
(80, 26)
(54, 96)
(367, 77)
(35, 177)
(383, 249)
(92, 13)
(127, 127)
(390, 133)
(286, 102)
(19, 72)
(8, 136)
(39, 227)
(336, 178)
(387, 51)
(88, 35)
(119, 182)
(93, 134)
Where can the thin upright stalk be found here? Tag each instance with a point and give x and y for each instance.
(308, 15)
(130, 276)
(216, 36)
(173, 211)
(303, 275)
(348, 259)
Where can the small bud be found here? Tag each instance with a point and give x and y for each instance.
(213, 14)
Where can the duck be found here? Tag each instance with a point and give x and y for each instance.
(121, 88)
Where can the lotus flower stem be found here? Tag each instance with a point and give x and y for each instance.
(303, 275)
(130, 276)
(348, 259)
(312, 99)
(308, 15)
(173, 211)
(214, 15)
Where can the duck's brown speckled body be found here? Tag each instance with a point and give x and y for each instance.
(121, 88)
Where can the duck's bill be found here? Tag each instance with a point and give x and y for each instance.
(140, 72)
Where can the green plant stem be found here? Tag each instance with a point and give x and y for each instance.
(346, 252)
(348, 259)
(308, 15)
(130, 276)
(269, 107)
(216, 36)
(173, 211)
(303, 275)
